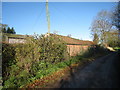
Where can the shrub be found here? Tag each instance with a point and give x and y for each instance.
(32, 59)
(8, 59)
(94, 50)
(8, 54)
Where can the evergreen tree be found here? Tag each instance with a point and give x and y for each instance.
(9, 30)
(4, 30)
(116, 20)
(116, 16)
(13, 31)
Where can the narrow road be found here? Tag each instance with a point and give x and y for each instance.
(101, 73)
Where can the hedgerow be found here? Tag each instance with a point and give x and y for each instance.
(38, 57)
(27, 60)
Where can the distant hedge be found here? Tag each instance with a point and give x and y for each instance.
(22, 61)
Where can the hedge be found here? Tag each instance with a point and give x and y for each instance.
(23, 61)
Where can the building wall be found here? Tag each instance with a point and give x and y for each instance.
(76, 49)
(72, 49)
(15, 40)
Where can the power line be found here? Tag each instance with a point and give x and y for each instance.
(38, 17)
(58, 10)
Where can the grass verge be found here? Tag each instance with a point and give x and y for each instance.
(59, 71)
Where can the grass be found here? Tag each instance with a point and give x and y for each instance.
(52, 69)
(116, 48)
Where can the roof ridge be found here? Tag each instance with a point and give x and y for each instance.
(71, 40)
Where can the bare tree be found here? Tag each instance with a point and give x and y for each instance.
(3, 26)
(69, 35)
(101, 24)
(55, 32)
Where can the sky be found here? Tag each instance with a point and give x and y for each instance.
(66, 18)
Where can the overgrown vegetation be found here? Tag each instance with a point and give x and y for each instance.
(38, 57)
(24, 61)
(95, 50)
(68, 66)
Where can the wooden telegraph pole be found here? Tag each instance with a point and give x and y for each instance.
(48, 16)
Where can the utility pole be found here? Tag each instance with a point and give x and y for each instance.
(48, 16)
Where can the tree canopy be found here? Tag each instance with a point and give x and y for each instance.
(6, 29)
(103, 30)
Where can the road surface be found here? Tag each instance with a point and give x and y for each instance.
(102, 73)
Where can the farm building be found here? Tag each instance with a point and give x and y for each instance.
(74, 46)
(13, 38)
